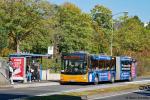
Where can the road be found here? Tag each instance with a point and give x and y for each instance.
(139, 95)
(13, 93)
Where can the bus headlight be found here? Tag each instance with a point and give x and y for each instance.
(84, 77)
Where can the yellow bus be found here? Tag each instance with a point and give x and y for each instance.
(74, 67)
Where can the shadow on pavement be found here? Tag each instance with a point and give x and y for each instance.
(55, 97)
(144, 93)
(12, 96)
(53, 80)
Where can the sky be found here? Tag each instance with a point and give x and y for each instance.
(140, 8)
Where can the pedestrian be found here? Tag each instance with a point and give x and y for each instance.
(37, 70)
(10, 64)
(38, 73)
(32, 74)
(29, 74)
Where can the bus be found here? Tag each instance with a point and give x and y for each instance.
(84, 67)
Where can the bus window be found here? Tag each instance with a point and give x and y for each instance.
(126, 65)
(112, 64)
(74, 67)
(101, 65)
(94, 64)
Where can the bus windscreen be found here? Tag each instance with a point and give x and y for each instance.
(71, 66)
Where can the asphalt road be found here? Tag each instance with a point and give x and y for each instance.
(14, 93)
(140, 95)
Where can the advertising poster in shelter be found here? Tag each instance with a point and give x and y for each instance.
(18, 64)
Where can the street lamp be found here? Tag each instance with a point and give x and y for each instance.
(111, 45)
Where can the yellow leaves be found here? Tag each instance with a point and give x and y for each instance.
(6, 51)
(71, 7)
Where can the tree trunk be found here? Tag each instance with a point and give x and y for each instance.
(18, 46)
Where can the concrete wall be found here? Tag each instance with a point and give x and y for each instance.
(4, 79)
(50, 76)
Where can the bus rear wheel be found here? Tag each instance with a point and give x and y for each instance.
(130, 78)
(96, 80)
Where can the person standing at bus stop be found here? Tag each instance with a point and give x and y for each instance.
(38, 70)
(29, 74)
(11, 70)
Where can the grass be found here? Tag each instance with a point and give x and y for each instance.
(145, 74)
(77, 95)
(105, 90)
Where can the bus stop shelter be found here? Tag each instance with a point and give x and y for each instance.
(23, 62)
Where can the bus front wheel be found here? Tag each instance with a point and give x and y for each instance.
(112, 79)
(63, 83)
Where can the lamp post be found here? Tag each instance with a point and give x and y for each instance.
(111, 44)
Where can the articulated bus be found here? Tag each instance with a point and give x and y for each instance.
(84, 67)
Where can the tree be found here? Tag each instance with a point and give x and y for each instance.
(77, 29)
(43, 35)
(148, 26)
(102, 25)
(131, 36)
(22, 18)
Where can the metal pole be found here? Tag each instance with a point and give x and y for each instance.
(46, 68)
(111, 45)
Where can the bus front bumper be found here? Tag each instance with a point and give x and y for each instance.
(73, 78)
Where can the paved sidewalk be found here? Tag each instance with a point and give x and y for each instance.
(34, 84)
(5, 86)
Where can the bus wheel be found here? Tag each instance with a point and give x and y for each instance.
(112, 79)
(62, 83)
(96, 80)
(130, 78)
